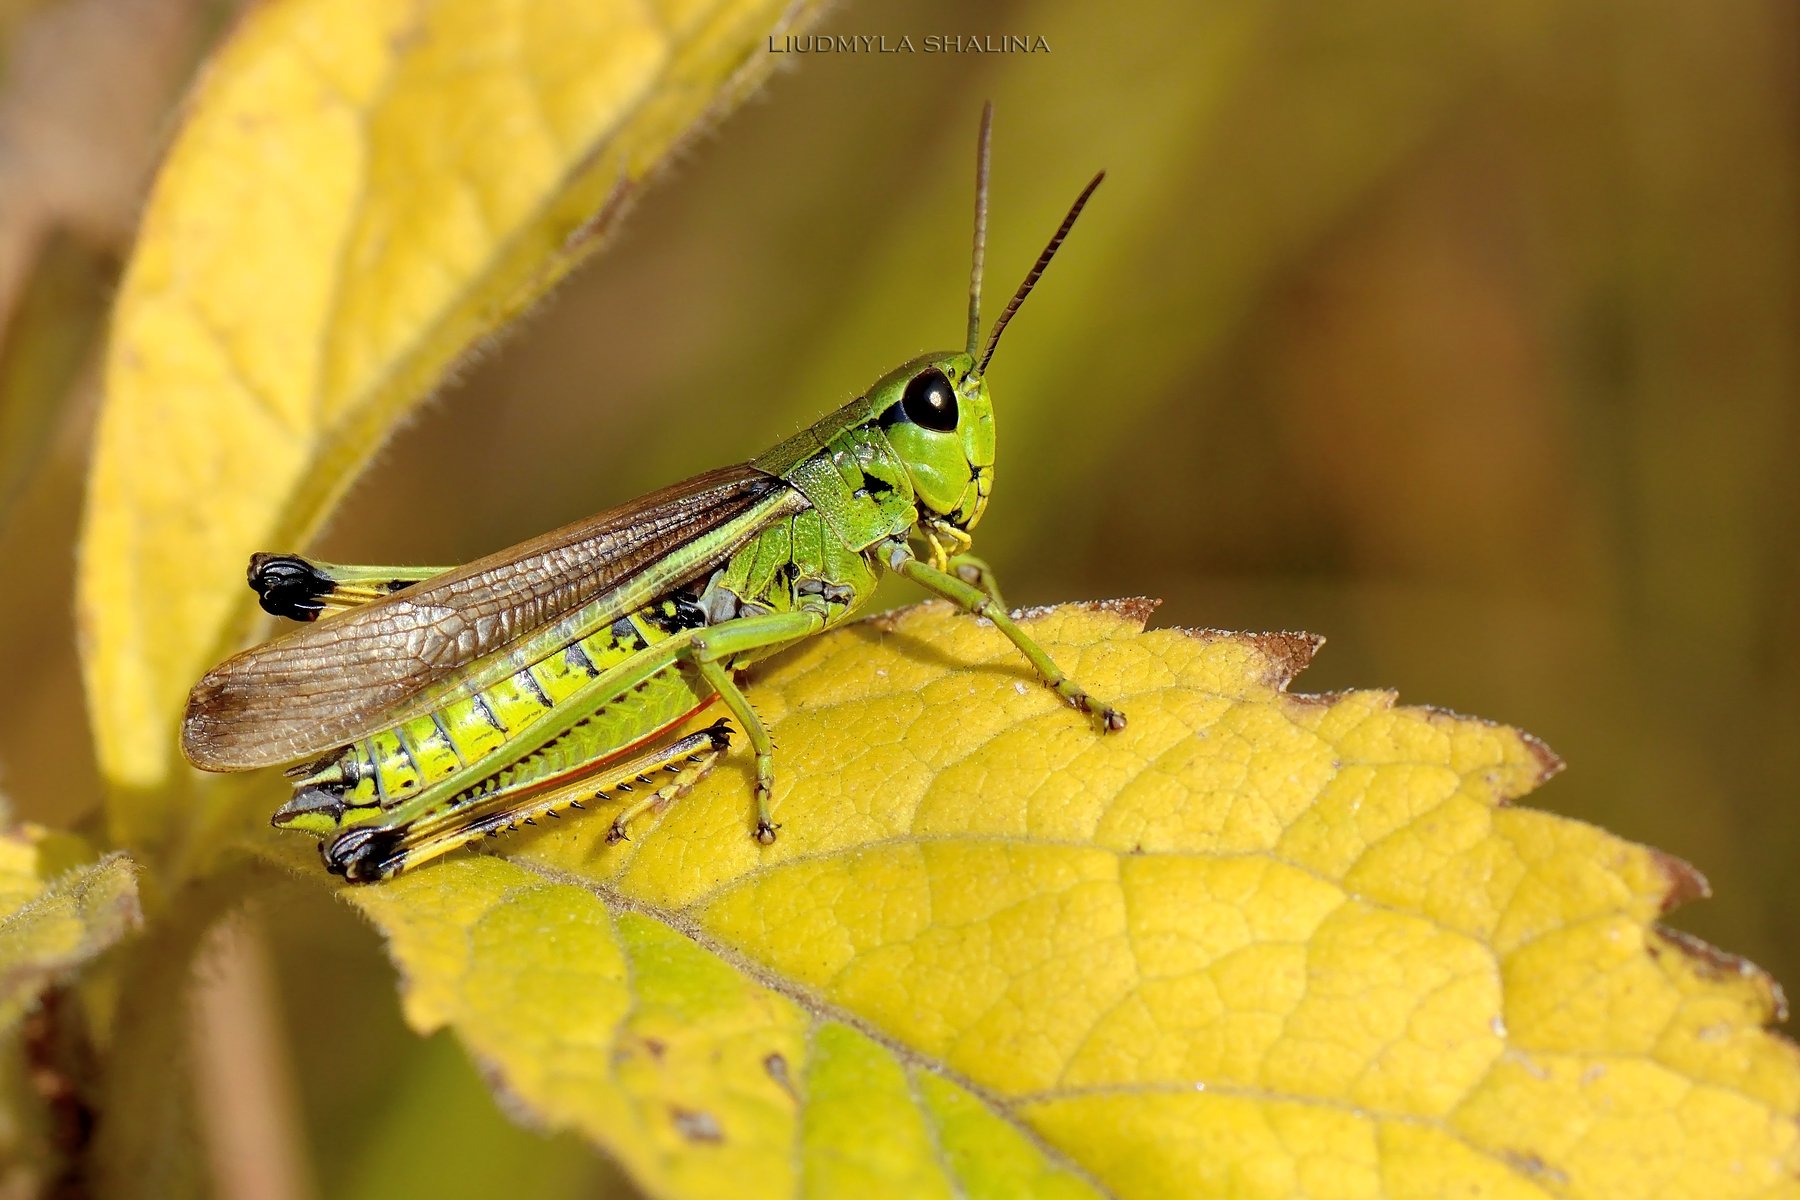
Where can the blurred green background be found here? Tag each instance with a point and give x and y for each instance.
(1461, 334)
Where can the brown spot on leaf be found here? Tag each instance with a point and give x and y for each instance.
(1549, 763)
(1287, 651)
(1684, 883)
(1135, 609)
(697, 1125)
(1533, 1167)
(777, 1067)
(1715, 963)
(1547, 759)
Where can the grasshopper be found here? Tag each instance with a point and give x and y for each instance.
(433, 706)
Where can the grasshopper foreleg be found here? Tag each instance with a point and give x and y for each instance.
(982, 603)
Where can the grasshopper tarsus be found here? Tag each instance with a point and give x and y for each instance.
(1105, 717)
(765, 832)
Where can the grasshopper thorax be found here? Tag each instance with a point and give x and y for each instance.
(936, 414)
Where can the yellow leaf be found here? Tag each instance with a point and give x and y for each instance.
(55, 916)
(1255, 945)
(360, 191)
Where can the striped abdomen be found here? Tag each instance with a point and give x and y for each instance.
(397, 763)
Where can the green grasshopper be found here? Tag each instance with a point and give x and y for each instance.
(435, 706)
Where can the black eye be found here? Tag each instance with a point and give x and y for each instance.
(930, 401)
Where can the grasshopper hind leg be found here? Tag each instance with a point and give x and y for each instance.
(302, 589)
(703, 750)
(367, 853)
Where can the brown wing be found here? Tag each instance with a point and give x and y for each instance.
(350, 675)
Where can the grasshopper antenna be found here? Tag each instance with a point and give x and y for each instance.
(1037, 269)
(981, 193)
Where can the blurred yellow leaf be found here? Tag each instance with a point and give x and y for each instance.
(55, 916)
(358, 193)
(1257, 945)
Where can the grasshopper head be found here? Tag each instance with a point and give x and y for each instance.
(935, 409)
(936, 415)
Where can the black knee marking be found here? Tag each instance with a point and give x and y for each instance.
(363, 855)
(286, 585)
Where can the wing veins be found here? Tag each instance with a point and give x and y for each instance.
(350, 675)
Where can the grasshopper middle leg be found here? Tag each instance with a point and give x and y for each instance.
(714, 649)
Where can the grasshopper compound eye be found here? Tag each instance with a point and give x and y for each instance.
(930, 401)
